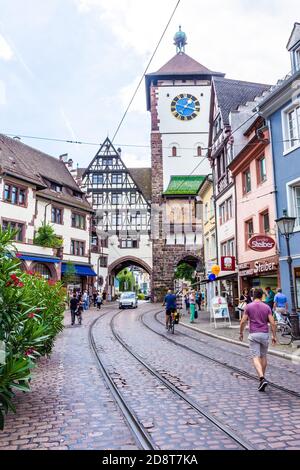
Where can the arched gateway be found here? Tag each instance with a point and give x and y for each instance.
(121, 263)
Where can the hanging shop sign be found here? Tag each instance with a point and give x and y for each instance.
(261, 243)
(228, 263)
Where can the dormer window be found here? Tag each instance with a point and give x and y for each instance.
(56, 187)
(77, 194)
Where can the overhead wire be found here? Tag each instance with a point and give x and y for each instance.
(145, 71)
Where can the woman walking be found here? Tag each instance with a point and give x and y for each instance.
(192, 300)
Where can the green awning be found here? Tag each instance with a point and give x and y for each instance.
(184, 185)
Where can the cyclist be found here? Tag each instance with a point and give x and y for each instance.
(170, 304)
(280, 305)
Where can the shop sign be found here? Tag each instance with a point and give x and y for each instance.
(261, 243)
(228, 263)
(263, 267)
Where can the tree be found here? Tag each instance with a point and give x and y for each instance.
(46, 237)
(126, 280)
(185, 271)
(69, 274)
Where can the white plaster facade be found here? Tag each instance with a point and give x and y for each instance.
(185, 135)
(225, 231)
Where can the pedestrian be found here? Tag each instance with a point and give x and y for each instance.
(280, 304)
(85, 299)
(245, 296)
(99, 300)
(269, 300)
(187, 302)
(95, 295)
(80, 309)
(192, 300)
(259, 314)
(73, 308)
(104, 295)
(198, 299)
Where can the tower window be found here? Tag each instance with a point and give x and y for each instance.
(199, 151)
(174, 151)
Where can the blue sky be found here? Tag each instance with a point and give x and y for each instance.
(68, 67)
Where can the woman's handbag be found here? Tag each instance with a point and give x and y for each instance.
(241, 306)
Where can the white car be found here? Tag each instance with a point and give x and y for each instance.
(128, 299)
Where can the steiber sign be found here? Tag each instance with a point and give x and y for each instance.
(261, 243)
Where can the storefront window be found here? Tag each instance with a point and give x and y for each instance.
(43, 270)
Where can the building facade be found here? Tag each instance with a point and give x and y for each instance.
(178, 97)
(121, 226)
(281, 108)
(252, 170)
(226, 96)
(38, 189)
(206, 193)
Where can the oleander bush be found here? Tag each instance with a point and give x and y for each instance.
(31, 316)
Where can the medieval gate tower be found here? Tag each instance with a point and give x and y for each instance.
(178, 98)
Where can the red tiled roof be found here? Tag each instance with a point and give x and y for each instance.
(183, 64)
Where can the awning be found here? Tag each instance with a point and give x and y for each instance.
(80, 270)
(184, 185)
(38, 258)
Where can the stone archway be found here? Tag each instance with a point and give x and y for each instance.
(116, 266)
(165, 260)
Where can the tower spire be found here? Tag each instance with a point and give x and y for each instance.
(180, 41)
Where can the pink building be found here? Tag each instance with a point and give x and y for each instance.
(252, 169)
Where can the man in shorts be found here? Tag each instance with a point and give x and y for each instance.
(280, 305)
(170, 304)
(259, 315)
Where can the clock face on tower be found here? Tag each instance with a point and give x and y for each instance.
(185, 107)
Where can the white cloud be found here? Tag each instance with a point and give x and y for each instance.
(126, 93)
(131, 160)
(225, 36)
(67, 123)
(6, 52)
(2, 93)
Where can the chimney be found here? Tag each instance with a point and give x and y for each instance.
(63, 157)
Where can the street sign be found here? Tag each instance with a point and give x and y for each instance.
(227, 263)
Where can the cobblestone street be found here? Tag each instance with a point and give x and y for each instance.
(70, 406)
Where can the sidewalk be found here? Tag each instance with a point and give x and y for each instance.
(231, 334)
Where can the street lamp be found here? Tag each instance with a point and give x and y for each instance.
(286, 226)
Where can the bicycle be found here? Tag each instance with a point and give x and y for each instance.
(172, 321)
(284, 329)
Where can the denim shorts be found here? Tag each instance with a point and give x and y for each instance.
(258, 344)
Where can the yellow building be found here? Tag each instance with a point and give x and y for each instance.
(206, 194)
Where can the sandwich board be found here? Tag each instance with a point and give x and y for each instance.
(219, 311)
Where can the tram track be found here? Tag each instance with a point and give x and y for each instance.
(242, 443)
(212, 359)
(140, 434)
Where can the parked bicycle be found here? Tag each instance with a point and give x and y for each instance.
(284, 329)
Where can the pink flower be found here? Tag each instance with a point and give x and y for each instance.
(30, 315)
(29, 351)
